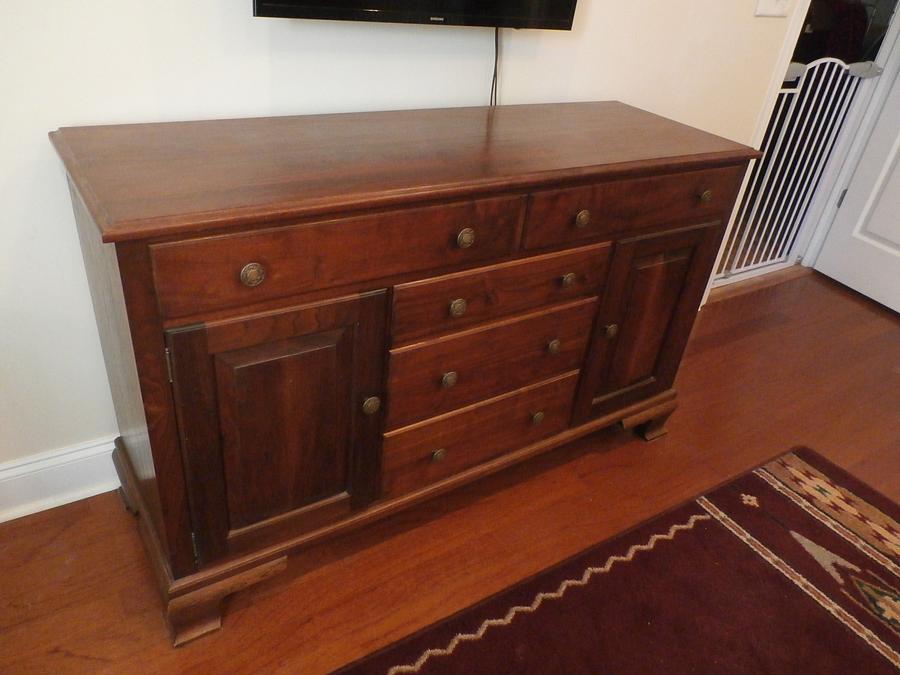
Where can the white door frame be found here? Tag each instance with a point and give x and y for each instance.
(860, 121)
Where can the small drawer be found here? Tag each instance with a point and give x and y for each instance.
(436, 449)
(446, 373)
(593, 211)
(231, 270)
(462, 299)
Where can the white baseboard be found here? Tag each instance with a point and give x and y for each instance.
(56, 477)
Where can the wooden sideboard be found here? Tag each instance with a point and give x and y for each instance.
(310, 323)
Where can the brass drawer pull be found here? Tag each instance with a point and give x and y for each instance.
(537, 418)
(611, 330)
(371, 405)
(583, 218)
(449, 379)
(253, 274)
(439, 455)
(554, 346)
(465, 238)
(705, 196)
(458, 307)
(568, 280)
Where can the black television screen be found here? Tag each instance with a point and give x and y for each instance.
(555, 14)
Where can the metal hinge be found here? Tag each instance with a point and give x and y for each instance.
(169, 364)
(196, 548)
(841, 198)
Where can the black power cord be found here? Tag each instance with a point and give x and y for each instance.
(495, 88)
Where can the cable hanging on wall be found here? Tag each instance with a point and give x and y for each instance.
(495, 83)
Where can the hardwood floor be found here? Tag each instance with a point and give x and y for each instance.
(805, 362)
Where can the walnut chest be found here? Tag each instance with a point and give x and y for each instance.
(312, 322)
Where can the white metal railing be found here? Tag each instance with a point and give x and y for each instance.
(809, 113)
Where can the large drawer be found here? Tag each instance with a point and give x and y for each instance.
(428, 452)
(229, 270)
(599, 210)
(429, 378)
(462, 299)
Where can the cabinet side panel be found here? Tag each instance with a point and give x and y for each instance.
(102, 268)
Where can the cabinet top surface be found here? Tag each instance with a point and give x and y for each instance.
(149, 180)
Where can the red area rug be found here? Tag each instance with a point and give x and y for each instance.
(790, 568)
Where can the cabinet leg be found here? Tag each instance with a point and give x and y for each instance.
(651, 422)
(196, 613)
(653, 429)
(189, 619)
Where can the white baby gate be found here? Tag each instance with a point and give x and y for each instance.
(809, 113)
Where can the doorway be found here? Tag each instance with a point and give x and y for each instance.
(834, 72)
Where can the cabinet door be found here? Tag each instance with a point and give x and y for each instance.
(655, 286)
(275, 436)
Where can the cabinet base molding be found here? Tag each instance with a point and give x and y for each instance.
(199, 612)
(193, 604)
(133, 502)
(195, 610)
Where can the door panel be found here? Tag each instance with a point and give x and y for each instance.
(298, 450)
(656, 285)
(269, 407)
(651, 301)
(862, 249)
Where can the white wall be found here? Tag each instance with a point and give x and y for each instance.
(72, 62)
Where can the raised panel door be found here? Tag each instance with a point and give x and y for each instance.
(274, 437)
(652, 296)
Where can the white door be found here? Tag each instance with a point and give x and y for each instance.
(862, 249)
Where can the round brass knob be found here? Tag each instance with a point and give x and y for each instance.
(568, 280)
(449, 379)
(554, 346)
(583, 218)
(705, 196)
(253, 274)
(439, 455)
(465, 238)
(371, 405)
(611, 330)
(537, 418)
(458, 307)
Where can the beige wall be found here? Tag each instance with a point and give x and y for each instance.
(707, 63)
(62, 62)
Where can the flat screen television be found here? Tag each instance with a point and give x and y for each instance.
(553, 14)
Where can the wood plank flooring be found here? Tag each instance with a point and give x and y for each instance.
(806, 361)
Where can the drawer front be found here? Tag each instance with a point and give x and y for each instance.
(431, 451)
(230, 270)
(446, 373)
(462, 299)
(581, 213)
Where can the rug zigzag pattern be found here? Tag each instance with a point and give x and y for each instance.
(556, 595)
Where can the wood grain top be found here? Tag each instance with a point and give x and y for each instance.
(148, 180)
